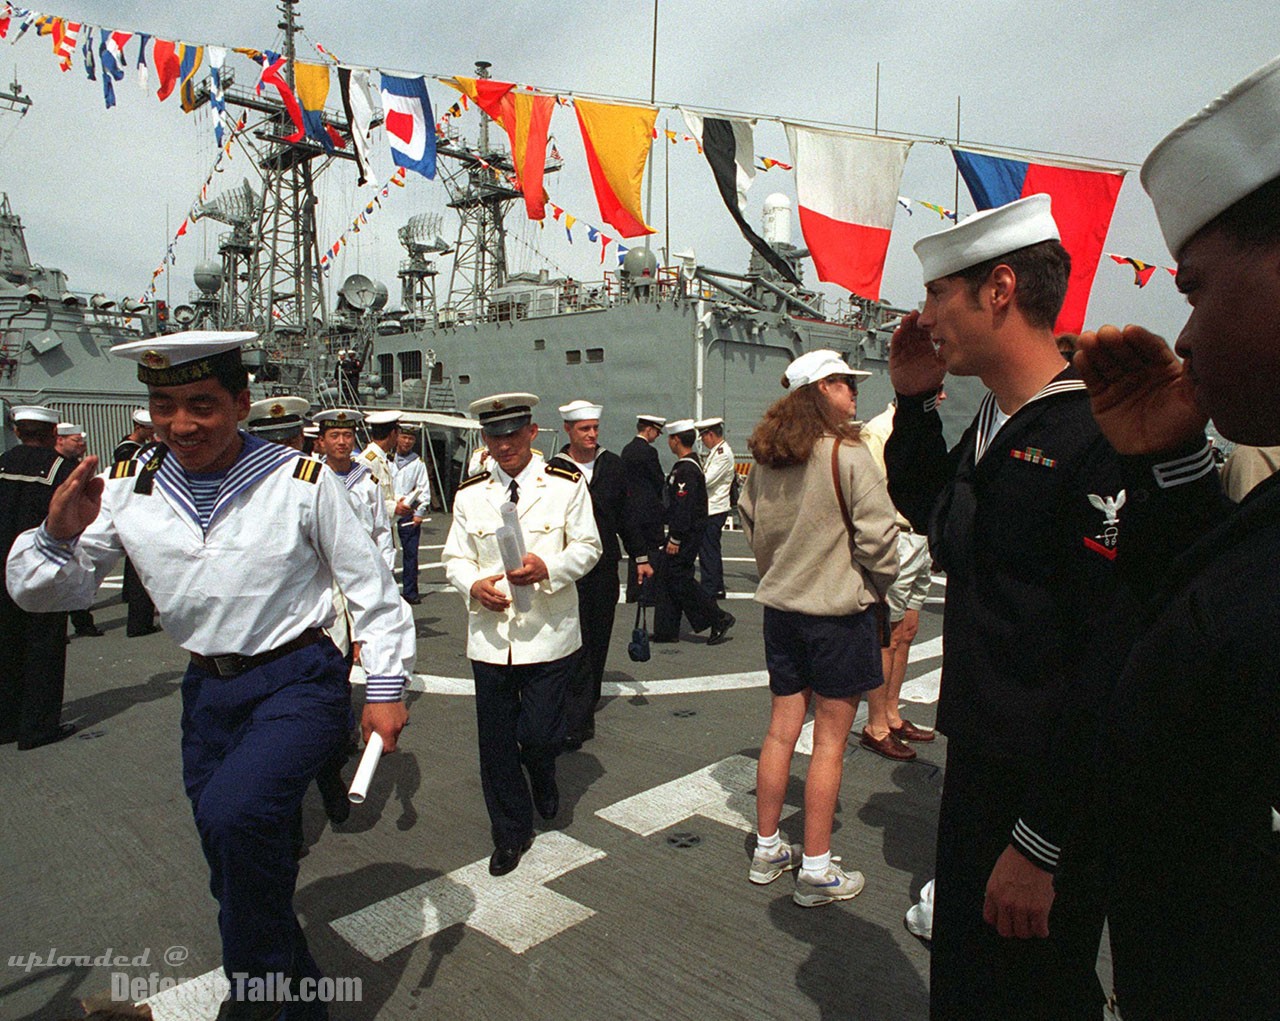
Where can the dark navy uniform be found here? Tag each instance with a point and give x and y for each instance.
(1192, 771)
(598, 590)
(676, 591)
(645, 484)
(142, 611)
(34, 670)
(1027, 537)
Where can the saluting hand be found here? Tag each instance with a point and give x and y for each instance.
(491, 598)
(1141, 395)
(915, 367)
(532, 571)
(76, 503)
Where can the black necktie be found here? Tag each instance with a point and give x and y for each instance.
(514, 492)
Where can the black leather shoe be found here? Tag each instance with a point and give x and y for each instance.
(412, 600)
(92, 631)
(718, 630)
(546, 798)
(573, 744)
(505, 859)
(144, 632)
(64, 730)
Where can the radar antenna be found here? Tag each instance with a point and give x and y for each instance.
(421, 238)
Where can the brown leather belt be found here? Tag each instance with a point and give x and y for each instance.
(233, 664)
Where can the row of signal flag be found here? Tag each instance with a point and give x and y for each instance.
(847, 184)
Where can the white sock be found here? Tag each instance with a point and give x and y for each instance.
(768, 844)
(814, 866)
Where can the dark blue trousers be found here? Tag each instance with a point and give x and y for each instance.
(710, 558)
(409, 535)
(520, 721)
(250, 746)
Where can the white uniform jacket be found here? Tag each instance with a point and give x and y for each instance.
(718, 468)
(413, 486)
(384, 473)
(371, 509)
(559, 526)
(282, 532)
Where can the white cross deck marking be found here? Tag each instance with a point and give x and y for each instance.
(516, 910)
(723, 792)
(197, 999)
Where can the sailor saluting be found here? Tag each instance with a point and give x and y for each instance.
(239, 542)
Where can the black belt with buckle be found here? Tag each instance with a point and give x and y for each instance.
(233, 664)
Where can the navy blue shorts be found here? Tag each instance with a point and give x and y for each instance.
(837, 657)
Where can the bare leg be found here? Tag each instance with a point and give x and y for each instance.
(832, 718)
(895, 659)
(774, 768)
(879, 699)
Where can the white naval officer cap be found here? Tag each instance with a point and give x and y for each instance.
(311, 430)
(580, 411)
(657, 421)
(680, 425)
(70, 429)
(818, 364)
(1210, 162)
(180, 358)
(337, 418)
(277, 416)
(703, 424)
(34, 413)
(382, 418)
(504, 414)
(987, 235)
(143, 417)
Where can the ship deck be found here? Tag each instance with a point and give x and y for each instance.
(633, 903)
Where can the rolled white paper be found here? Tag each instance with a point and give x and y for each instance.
(511, 519)
(364, 772)
(512, 560)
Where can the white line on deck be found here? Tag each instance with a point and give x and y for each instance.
(723, 792)
(197, 999)
(517, 910)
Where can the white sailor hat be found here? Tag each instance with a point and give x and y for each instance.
(680, 425)
(34, 413)
(337, 418)
(70, 429)
(143, 417)
(503, 414)
(382, 418)
(311, 430)
(987, 235)
(277, 416)
(180, 358)
(1211, 161)
(819, 364)
(657, 421)
(703, 424)
(580, 411)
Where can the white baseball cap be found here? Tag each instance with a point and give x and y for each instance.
(815, 365)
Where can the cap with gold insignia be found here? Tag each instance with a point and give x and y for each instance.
(987, 235)
(277, 417)
(143, 417)
(657, 421)
(680, 425)
(382, 418)
(503, 414)
(70, 429)
(815, 365)
(34, 413)
(337, 418)
(181, 358)
(1210, 162)
(703, 424)
(580, 411)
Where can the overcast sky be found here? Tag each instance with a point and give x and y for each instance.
(1100, 80)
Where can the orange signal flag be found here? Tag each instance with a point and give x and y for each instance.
(617, 140)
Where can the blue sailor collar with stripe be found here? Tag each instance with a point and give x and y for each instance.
(991, 419)
(258, 459)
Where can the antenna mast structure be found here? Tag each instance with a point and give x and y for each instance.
(421, 239)
(481, 199)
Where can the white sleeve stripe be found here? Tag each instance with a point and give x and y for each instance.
(1185, 469)
(1042, 848)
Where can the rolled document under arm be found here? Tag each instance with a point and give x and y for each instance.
(364, 772)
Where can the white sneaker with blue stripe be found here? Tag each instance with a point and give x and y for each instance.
(768, 866)
(834, 884)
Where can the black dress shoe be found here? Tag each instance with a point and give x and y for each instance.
(64, 730)
(412, 600)
(546, 798)
(143, 631)
(718, 630)
(92, 631)
(505, 859)
(573, 744)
